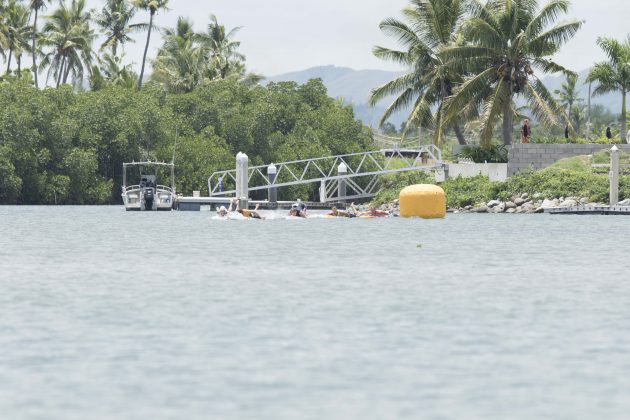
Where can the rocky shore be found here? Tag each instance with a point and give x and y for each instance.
(522, 204)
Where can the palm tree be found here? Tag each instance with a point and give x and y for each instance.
(432, 25)
(69, 34)
(152, 6)
(17, 32)
(180, 63)
(114, 22)
(36, 6)
(112, 71)
(568, 93)
(567, 96)
(613, 75)
(224, 58)
(508, 41)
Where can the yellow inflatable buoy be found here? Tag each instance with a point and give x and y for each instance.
(423, 200)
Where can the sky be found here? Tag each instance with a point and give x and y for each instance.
(280, 36)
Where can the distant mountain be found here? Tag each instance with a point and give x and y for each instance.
(354, 87)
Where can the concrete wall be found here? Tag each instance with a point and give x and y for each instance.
(522, 157)
(494, 171)
(539, 156)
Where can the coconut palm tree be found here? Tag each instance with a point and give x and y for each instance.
(509, 41)
(17, 32)
(36, 6)
(69, 34)
(181, 69)
(613, 75)
(180, 63)
(112, 71)
(152, 6)
(114, 20)
(430, 27)
(223, 56)
(568, 93)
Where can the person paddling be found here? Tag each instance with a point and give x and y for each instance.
(249, 214)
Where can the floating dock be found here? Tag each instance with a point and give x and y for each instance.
(195, 203)
(591, 210)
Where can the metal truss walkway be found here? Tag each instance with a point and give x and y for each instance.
(342, 177)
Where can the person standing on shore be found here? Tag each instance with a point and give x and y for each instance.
(566, 132)
(525, 132)
(608, 133)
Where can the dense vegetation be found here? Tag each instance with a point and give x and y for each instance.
(573, 177)
(66, 145)
(57, 146)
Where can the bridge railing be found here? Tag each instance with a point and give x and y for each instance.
(326, 170)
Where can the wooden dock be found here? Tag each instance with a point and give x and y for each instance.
(591, 210)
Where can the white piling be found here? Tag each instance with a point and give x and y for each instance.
(322, 192)
(272, 196)
(242, 179)
(614, 176)
(342, 170)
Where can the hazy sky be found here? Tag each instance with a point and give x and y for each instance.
(279, 36)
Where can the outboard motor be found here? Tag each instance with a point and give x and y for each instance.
(147, 186)
(149, 197)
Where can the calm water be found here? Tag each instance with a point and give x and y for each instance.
(107, 314)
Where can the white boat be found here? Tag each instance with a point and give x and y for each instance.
(148, 195)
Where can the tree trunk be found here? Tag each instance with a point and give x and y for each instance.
(460, 135)
(34, 50)
(19, 69)
(63, 61)
(622, 134)
(508, 124)
(146, 50)
(66, 73)
(9, 62)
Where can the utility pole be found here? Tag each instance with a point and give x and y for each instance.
(588, 119)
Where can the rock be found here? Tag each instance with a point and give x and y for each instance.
(500, 208)
(511, 210)
(539, 210)
(625, 202)
(482, 209)
(568, 203)
(524, 196)
(510, 205)
(493, 203)
(519, 201)
(583, 200)
(528, 207)
(547, 204)
(468, 208)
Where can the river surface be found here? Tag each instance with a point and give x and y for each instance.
(113, 315)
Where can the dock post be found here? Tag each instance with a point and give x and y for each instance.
(614, 175)
(272, 196)
(342, 170)
(322, 192)
(242, 179)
